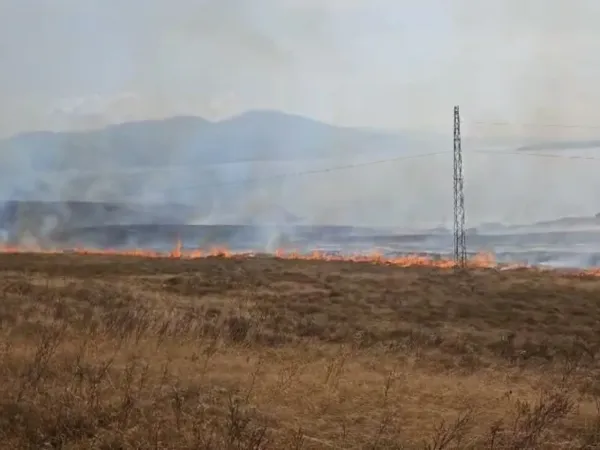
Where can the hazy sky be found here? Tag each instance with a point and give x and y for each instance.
(72, 64)
(383, 63)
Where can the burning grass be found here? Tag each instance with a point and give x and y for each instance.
(122, 352)
(179, 252)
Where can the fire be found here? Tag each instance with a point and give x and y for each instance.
(483, 261)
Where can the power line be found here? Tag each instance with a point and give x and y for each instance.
(534, 125)
(258, 180)
(312, 171)
(535, 155)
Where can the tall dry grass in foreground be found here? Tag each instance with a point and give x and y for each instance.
(116, 353)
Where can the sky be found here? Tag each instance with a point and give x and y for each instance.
(380, 63)
(393, 64)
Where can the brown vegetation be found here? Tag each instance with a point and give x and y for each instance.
(217, 353)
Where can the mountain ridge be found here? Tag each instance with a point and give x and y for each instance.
(189, 140)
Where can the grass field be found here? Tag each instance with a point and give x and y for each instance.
(216, 353)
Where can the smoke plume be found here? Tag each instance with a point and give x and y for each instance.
(395, 65)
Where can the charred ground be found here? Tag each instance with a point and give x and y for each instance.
(107, 352)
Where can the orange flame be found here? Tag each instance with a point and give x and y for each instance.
(481, 260)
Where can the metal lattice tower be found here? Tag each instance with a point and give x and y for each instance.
(460, 244)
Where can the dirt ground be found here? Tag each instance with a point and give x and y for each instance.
(123, 352)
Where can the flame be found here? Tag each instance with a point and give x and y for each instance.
(482, 260)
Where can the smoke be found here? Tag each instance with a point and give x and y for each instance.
(529, 63)
(387, 64)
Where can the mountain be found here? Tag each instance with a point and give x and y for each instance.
(150, 172)
(186, 160)
(252, 136)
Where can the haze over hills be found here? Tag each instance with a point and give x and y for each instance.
(190, 161)
(110, 176)
(252, 136)
(152, 160)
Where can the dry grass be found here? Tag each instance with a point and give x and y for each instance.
(116, 353)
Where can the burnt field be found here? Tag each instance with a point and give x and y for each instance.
(566, 242)
(222, 353)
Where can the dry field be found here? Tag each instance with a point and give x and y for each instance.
(104, 352)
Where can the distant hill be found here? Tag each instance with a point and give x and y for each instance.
(185, 160)
(252, 136)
